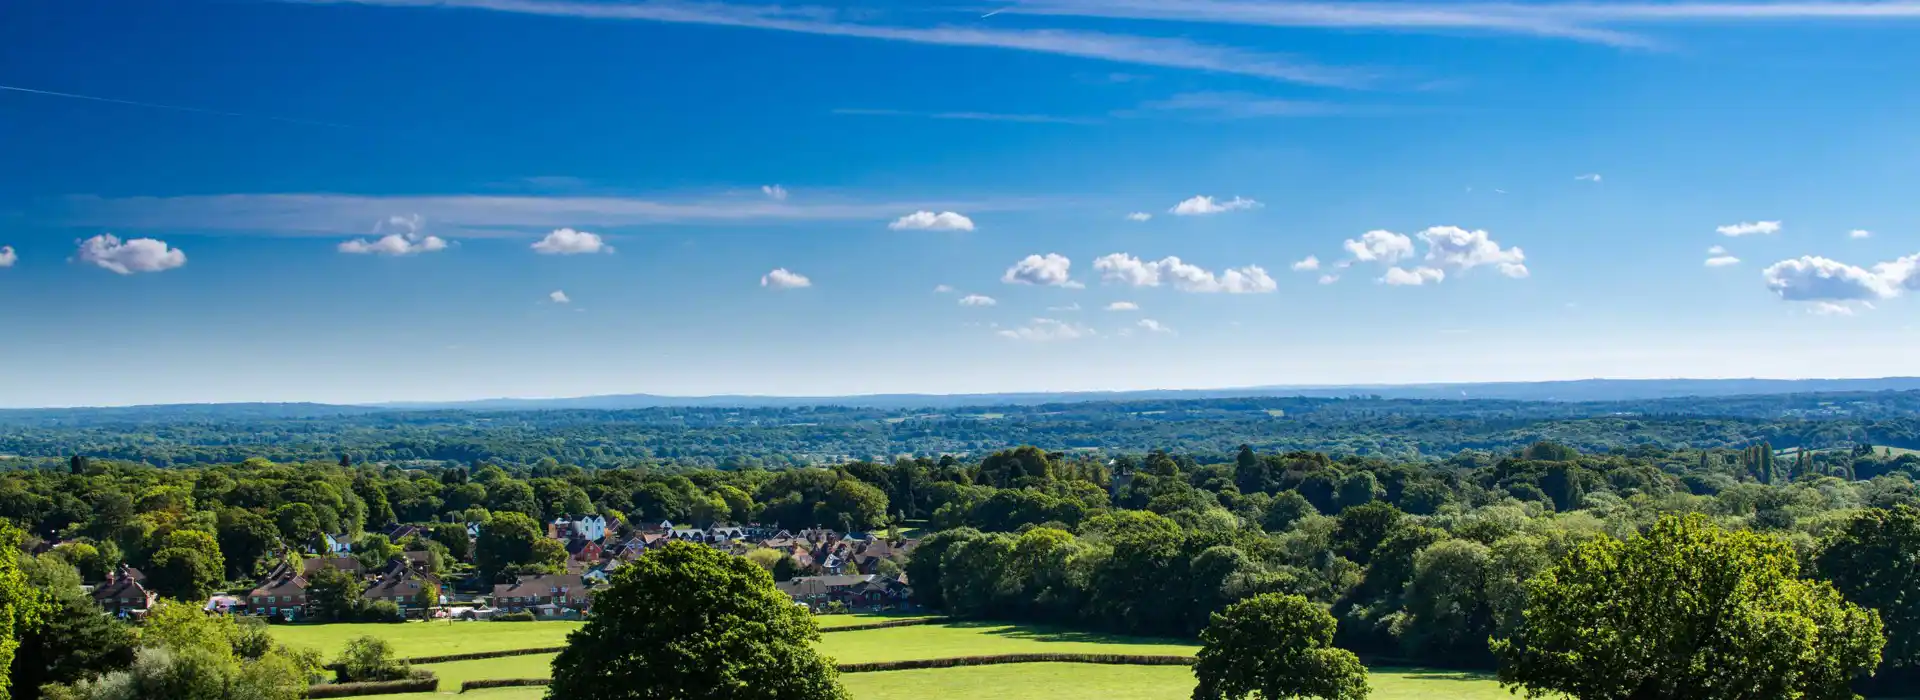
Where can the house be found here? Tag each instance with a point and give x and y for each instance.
(350, 565)
(860, 591)
(334, 545)
(283, 595)
(397, 533)
(592, 527)
(543, 594)
(585, 550)
(723, 533)
(415, 593)
(473, 531)
(420, 561)
(687, 533)
(122, 595)
(600, 574)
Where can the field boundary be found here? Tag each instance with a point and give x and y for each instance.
(345, 690)
(883, 624)
(910, 664)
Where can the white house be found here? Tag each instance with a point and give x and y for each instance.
(591, 527)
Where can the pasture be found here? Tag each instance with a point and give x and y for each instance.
(1036, 681)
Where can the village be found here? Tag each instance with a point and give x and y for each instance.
(824, 570)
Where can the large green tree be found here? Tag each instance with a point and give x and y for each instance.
(73, 641)
(1275, 646)
(690, 623)
(1875, 561)
(1687, 610)
(512, 540)
(22, 606)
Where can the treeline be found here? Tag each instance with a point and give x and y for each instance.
(784, 437)
(1422, 564)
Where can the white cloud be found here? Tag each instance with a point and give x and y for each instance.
(7, 256)
(1074, 306)
(1119, 48)
(1047, 329)
(137, 255)
(1589, 177)
(1201, 205)
(1384, 247)
(977, 300)
(942, 289)
(1459, 249)
(1123, 306)
(1153, 326)
(1238, 105)
(1139, 216)
(1828, 308)
(559, 297)
(1859, 233)
(1329, 279)
(1722, 261)
(1717, 250)
(1814, 278)
(566, 241)
(781, 278)
(1052, 269)
(1401, 277)
(1306, 264)
(1749, 228)
(774, 192)
(1126, 269)
(929, 221)
(395, 244)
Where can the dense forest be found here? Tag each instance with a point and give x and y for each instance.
(780, 436)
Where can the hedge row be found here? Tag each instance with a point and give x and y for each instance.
(424, 660)
(347, 690)
(951, 662)
(503, 683)
(883, 624)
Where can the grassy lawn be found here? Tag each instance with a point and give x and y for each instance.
(453, 673)
(1094, 682)
(430, 638)
(979, 638)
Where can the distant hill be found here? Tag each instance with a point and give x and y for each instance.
(1572, 390)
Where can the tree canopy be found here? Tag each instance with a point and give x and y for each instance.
(1275, 647)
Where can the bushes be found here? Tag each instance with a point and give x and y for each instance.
(503, 683)
(424, 660)
(522, 616)
(883, 624)
(419, 684)
(369, 660)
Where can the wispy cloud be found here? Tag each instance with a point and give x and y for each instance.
(968, 116)
(1589, 177)
(1118, 48)
(172, 108)
(1595, 22)
(559, 297)
(977, 300)
(1749, 228)
(782, 278)
(467, 215)
(1234, 105)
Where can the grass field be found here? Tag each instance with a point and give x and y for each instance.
(1045, 681)
(413, 639)
(827, 622)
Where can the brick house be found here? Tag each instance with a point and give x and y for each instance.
(312, 565)
(585, 550)
(283, 594)
(542, 594)
(416, 593)
(122, 594)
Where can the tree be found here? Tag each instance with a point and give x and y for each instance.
(923, 565)
(454, 537)
(369, 659)
(1687, 610)
(1872, 562)
(245, 540)
(298, 523)
(73, 640)
(183, 574)
(1277, 646)
(333, 595)
(512, 539)
(691, 623)
(1362, 528)
(374, 551)
(22, 606)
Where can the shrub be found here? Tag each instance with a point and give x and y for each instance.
(369, 659)
(522, 616)
(427, 684)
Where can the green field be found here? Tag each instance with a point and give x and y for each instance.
(827, 622)
(1043, 681)
(413, 639)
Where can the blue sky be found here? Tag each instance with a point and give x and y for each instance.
(369, 201)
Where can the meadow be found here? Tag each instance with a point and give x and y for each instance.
(1038, 681)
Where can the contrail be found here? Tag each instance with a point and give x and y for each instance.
(995, 12)
(177, 108)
